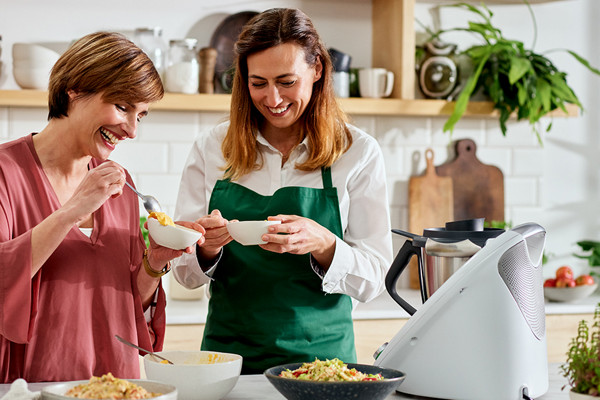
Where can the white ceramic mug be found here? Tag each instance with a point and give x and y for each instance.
(375, 82)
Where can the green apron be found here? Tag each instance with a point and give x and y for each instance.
(270, 307)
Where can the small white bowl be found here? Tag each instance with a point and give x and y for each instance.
(32, 78)
(172, 236)
(206, 375)
(249, 233)
(34, 53)
(569, 293)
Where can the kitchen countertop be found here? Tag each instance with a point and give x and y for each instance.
(255, 387)
(382, 307)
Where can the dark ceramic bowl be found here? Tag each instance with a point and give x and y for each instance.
(296, 389)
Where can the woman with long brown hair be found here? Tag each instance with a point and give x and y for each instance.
(289, 154)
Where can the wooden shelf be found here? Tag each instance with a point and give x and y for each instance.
(354, 106)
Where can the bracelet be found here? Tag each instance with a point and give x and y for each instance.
(150, 271)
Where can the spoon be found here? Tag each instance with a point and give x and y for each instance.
(150, 203)
(139, 348)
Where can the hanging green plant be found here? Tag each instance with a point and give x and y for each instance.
(517, 80)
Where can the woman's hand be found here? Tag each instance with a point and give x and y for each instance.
(159, 256)
(216, 235)
(98, 185)
(299, 235)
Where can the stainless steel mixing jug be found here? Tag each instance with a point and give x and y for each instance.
(440, 252)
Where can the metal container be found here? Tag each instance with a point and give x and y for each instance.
(440, 253)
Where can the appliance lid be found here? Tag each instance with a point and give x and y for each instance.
(457, 231)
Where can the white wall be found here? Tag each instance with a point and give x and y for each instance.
(556, 185)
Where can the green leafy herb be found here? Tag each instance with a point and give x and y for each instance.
(582, 368)
(144, 231)
(593, 249)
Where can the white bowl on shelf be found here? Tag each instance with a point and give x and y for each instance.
(34, 53)
(565, 294)
(249, 233)
(172, 236)
(32, 78)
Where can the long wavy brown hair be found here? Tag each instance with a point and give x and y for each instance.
(323, 122)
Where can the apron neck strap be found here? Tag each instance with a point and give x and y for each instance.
(326, 175)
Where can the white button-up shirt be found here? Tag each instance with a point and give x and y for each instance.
(361, 259)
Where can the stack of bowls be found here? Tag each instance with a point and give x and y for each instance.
(32, 64)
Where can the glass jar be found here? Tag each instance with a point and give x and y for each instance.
(150, 40)
(183, 70)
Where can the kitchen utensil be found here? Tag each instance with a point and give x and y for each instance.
(478, 189)
(208, 59)
(128, 343)
(206, 375)
(302, 389)
(57, 391)
(175, 236)
(429, 204)
(223, 39)
(481, 335)
(149, 202)
(440, 252)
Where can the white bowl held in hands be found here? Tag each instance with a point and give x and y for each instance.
(569, 293)
(249, 232)
(206, 375)
(172, 236)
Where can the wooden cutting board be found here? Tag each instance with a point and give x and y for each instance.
(429, 206)
(478, 188)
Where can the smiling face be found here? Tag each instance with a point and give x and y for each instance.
(102, 125)
(280, 83)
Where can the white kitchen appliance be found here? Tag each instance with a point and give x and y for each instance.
(482, 334)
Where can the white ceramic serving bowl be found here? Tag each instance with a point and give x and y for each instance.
(34, 53)
(173, 236)
(569, 293)
(57, 391)
(193, 375)
(249, 232)
(32, 78)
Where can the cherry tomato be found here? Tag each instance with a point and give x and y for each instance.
(584, 280)
(560, 282)
(550, 282)
(564, 272)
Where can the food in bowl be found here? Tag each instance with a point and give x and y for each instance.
(249, 233)
(162, 217)
(109, 387)
(171, 235)
(564, 286)
(209, 373)
(308, 389)
(329, 370)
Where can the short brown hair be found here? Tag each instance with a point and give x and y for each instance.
(324, 123)
(107, 63)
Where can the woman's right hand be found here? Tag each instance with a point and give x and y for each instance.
(98, 185)
(216, 235)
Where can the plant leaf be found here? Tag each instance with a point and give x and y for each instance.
(544, 92)
(584, 62)
(519, 66)
(463, 99)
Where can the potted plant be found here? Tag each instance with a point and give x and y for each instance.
(583, 361)
(517, 80)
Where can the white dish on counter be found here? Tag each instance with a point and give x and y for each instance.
(57, 391)
(563, 294)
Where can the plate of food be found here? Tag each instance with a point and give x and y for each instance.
(333, 380)
(109, 387)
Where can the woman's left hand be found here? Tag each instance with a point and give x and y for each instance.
(299, 235)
